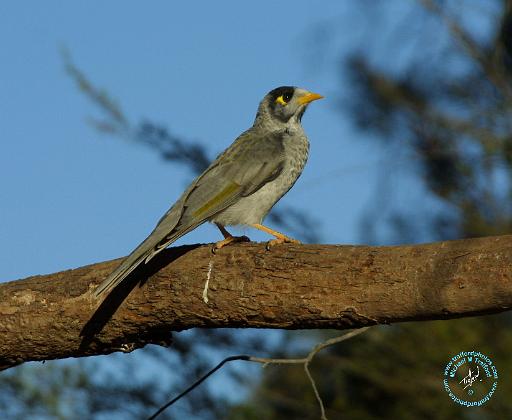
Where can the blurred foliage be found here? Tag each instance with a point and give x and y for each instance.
(131, 386)
(386, 373)
(448, 111)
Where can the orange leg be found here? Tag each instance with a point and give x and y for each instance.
(280, 238)
(228, 238)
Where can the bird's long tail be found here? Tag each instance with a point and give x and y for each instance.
(157, 241)
(143, 253)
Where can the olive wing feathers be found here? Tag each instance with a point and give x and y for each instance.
(248, 164)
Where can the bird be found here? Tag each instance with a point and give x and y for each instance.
(240, 186)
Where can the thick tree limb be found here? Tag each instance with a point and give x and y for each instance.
(292, 286)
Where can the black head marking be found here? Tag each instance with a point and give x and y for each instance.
(285, 91)
(275, 104)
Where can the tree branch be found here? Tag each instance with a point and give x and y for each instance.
(292, 286)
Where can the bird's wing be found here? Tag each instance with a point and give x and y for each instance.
(249, 163)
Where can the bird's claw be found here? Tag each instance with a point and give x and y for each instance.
(229, 240)
(283, 240)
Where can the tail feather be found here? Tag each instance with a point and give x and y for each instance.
(130, 263)
(142, 254)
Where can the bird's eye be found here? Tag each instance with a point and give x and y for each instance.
(284, 98)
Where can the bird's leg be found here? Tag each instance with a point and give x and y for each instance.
(228, 238)
(280, 238)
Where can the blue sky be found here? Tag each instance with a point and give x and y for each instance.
(72, 196)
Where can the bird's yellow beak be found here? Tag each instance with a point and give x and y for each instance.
(309, 97)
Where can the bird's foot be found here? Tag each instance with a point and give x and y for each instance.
(229, 240)
(282, 239)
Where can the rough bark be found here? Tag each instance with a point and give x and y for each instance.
(291, 286)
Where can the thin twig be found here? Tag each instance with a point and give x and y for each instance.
(266, 361)
(315, 390)
(197, 383)
(307, 360)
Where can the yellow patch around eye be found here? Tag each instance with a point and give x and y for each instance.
(219, 198)
(281, 100)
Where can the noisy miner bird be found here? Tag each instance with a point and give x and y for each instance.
(241, 185)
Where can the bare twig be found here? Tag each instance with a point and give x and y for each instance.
(307, 360)
(267, 361)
